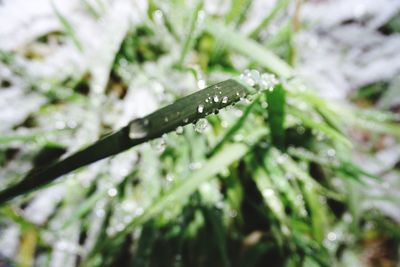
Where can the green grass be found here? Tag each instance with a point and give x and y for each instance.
(271, 179)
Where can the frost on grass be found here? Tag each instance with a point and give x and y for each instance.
(343, 50)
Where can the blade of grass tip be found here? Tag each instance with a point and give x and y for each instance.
(249, 48)
(290, 166)
(217, 163)
(277, 176)
(276, 115)
(235, 127)
(268, 191)
(282, 4)
(184, 111)
(68, 27)
(189, 39)
(310, 192)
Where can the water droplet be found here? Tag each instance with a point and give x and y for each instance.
(158, 16)
(201, 125)
(201, 84)
(264, 104)
(186, 120)
(347, 217)
(331, 152)
(268, 192)
(225, 100)
(179, 130)
(268, 81)
(255, 75)
(169, 177)
(246, 77)
(137, 129)
(216, 99)
(332, 236)
(166, 119)
(200, 109)
(112, 192)
(300, 130)
(232, 213)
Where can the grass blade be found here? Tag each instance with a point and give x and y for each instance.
(184, 111)
(276, 115)
(249, 48)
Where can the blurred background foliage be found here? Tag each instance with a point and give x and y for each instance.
(306, 174)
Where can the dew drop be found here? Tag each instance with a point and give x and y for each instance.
(201, 84)
(137, 129)
(216, 99)
(201, 125)
(268, 81)
(169, 177)
(194, 166)
(264, 104)
(112, 192)
(255, 75)
(225, 100)
(332, 236)
(246, 77)
(179, 130)
(200, 109)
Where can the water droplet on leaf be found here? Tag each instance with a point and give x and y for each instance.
(201, 125)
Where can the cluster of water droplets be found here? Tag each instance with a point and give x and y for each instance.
(264, 81)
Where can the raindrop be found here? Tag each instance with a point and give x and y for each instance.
(158, 16)
(255, 75)
(268, 81)
(169, 177)
(264, 104)
(216, 99)
(137, 129)
(201, 84)
(246, 77)
(300, 130)
(201, 125)
(268, 192)
(332, 236)
(200, 109)
(232, 213)
(179, 130)
(331, 152)
(112, 192)
(225, 100)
